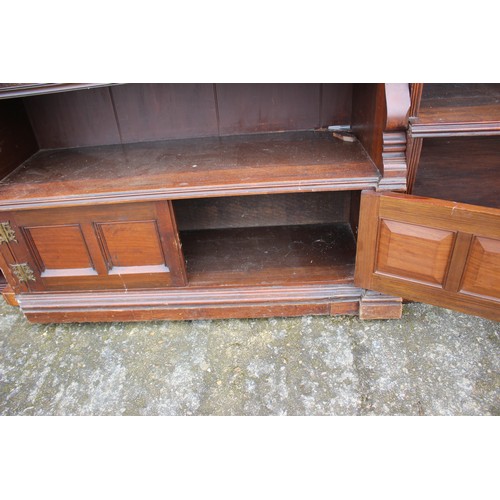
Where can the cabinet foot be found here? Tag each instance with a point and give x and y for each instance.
(375, 305)
(9, 296)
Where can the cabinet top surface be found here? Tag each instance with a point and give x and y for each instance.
(235, 165)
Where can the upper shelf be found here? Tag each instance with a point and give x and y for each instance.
(453, 109)
(187, 168)
(11, 90)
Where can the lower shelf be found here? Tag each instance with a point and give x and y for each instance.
(270, 255)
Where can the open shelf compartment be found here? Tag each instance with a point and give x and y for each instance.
(308, 238)
(461, 169)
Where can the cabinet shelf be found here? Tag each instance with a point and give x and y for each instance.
(202, 167)
(279, 255)
(454, 109)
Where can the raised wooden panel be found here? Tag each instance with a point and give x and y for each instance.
(482, 272)
(99, 247)
(416, 252)
(59, 247)
(129, 244)
(429, 250)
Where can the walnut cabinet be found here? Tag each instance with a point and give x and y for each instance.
(163, 201)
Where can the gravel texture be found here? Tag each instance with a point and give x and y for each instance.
(431, 362)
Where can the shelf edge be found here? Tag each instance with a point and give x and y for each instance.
(455, 129)
(196, 192)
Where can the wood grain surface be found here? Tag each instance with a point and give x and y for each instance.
(17, 142)
(462, 169)
(263, 163)
(270, 255)
(426, 256)
(448, 109)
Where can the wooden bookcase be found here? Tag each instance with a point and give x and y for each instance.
(169, 201)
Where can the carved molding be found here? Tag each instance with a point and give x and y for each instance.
(414, 148)
(454, 129)
(397, 97)
(394, 161)
(416, 96)
(191, 303)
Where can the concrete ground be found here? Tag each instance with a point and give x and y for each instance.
(432, 362)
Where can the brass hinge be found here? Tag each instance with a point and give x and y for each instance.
(6, 233)
(23, 272)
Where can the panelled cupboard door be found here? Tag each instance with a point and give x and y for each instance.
(439, 252)
(119, 246)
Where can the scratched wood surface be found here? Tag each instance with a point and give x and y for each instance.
(274, 162)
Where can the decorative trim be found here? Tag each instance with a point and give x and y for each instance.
(397, 101)
(196, 192)
(413, 154)
(10, 90)
(190, 303)
(186, 296)
(416, 96)
(394, 161)
(454, 129)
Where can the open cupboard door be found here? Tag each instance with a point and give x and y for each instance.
(439, 252)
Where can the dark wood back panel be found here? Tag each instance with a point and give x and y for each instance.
(17, 142)
(257, 211)
(336, 104)
(148, 112)
(72, 119)
(265, 107)
(462, 169)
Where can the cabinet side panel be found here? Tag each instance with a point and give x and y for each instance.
(17, 141)
(380, 119)
(369, 116)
